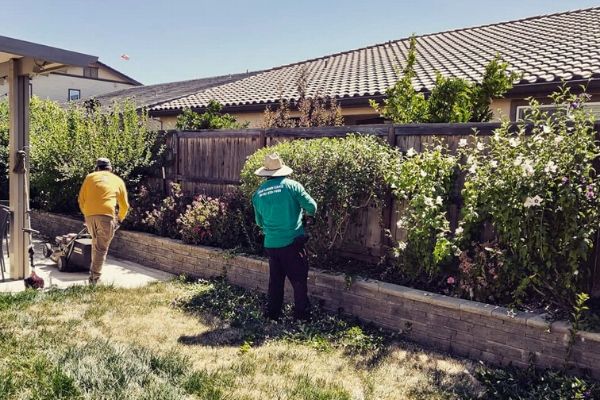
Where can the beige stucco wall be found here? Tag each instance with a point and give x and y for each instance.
(56, 87)
(256, 118)
(501, 109)
(103, 73)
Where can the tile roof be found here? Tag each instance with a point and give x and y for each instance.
(147, 96)
(545, 48)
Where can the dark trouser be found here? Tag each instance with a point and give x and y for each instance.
(290, 261)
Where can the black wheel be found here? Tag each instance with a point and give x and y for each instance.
(62, 263)
(47, 250)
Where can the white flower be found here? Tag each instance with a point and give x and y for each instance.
(518, 161)
(459, 230)
(528, 168)
(457, 251)
(538, 138)
(558, 139)
(551, 167)
(514, 142)
(411, 152)
(576, 272)
(533, 201)
(480, 146)
(428, 201)
(402, 246)
(473, 168)
(423, 173)
(462, 142)
(400, 223)
(546, 129)
(494, 164)
(439, 201)
(470, 159)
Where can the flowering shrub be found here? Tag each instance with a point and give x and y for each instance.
(424, 180)
(163, 220)
(539, 192)
(343, 175)
(227, 222)
(142, 201)
(196, 224)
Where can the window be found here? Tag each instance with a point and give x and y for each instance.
(522, 111)
(74, 94)
(90, 72)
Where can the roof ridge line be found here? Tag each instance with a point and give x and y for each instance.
(426, 35)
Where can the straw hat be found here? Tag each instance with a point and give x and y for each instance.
(273, 166)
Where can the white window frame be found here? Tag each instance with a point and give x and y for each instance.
(69, 94)
(549, 106)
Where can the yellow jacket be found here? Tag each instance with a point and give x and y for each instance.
(100, 193)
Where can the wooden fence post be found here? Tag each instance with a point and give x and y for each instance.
(263, 138)
(387, 212)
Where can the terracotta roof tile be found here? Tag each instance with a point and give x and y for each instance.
(546, 48)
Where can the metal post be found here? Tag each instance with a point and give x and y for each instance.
(18, 97)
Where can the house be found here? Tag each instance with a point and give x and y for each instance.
(546, 50)
(151, 95)
(75, 83)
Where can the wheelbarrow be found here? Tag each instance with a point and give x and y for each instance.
(71, 252)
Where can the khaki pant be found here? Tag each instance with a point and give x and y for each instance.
(102, 229)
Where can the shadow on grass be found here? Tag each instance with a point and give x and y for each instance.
(236, 318)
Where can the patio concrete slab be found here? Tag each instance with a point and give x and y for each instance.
(116, 272)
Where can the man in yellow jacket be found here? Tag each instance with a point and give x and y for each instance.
(98, 197)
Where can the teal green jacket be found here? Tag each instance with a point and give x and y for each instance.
(278, 205)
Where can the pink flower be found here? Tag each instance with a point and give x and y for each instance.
(451, 280)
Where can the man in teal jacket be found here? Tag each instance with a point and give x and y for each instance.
(278, 207)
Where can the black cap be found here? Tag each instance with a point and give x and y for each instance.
(103, 163)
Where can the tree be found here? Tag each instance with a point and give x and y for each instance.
(212, 118)
(450, 100)
(403, 104)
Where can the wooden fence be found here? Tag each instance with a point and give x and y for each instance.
(209, 162)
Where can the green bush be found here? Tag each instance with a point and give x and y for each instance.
(344, 176)
(64, 144)
(451, 100)
(212, 118)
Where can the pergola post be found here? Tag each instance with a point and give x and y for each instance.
(18, 97)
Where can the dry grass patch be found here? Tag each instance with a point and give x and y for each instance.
(159, 342)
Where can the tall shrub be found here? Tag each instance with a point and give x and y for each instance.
(424, 182)
(313, 110)
(451, 99)
(344, 176)
(403, 104)
(539, 192)
(66, 142)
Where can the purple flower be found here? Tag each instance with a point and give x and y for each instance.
(589, 193)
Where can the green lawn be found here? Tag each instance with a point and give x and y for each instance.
(207, 340)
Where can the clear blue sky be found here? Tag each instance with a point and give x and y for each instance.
(172, 40)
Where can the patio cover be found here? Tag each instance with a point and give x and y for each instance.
(19, 61)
